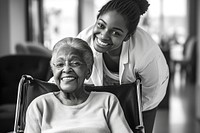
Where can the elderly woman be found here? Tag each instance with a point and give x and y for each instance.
(72, 109)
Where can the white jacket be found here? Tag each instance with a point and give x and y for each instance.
(140, 54)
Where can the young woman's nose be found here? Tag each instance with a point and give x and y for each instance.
(105, 35)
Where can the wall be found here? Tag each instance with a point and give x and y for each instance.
(12, 25)
(90, 10)
(88, 13)
(17, 23)
(198, 63)
(4, 26)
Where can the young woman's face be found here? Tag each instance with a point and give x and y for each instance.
(109, 32)
(69, 69)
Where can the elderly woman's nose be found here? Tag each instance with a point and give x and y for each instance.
(67, 67)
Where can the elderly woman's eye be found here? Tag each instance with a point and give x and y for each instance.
(59, 65)
(76, 63)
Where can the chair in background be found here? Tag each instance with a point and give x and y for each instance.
(11, 69)
(189, 61)
(128, 95)
(32, 48)
(183, 59)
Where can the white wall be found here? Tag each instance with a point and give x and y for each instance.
(4, 28)
(12, 25)
(17, 23)
(198, 63)
(88, 13)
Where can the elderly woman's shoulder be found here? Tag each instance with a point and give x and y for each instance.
(43, 97)
(104, 95)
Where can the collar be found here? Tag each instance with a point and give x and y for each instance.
(124, 57)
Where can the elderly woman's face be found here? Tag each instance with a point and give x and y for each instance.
(69, 69)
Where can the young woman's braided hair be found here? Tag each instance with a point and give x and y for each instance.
(129, 9)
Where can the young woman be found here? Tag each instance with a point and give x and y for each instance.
(72, 109)
(122, 50)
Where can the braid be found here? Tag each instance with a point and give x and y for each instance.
(143, 5)
(129, 9)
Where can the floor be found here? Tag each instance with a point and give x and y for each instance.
(181, 115)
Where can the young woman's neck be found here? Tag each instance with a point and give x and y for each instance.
(115, 52)
(112, 58)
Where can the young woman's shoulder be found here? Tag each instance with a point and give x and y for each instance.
(143, 48)
(86, 34)
(143, 42)
(143, 37)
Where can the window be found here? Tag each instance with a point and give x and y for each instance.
(166, 18)
(60, 20)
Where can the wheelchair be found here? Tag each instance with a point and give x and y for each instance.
(129, 96)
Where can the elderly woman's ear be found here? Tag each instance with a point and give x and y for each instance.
(89, 72)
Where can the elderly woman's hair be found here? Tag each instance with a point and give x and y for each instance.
(129, 9)
(78, 44)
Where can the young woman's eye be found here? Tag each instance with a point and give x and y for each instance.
(99, 25)
(115, 33)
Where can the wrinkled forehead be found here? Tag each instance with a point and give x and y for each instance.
(67, 51)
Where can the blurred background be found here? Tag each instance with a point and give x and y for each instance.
(31, 27)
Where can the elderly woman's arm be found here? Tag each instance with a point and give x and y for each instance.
(116, 119)
(33, 119)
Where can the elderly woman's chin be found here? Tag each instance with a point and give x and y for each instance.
(68, 87)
